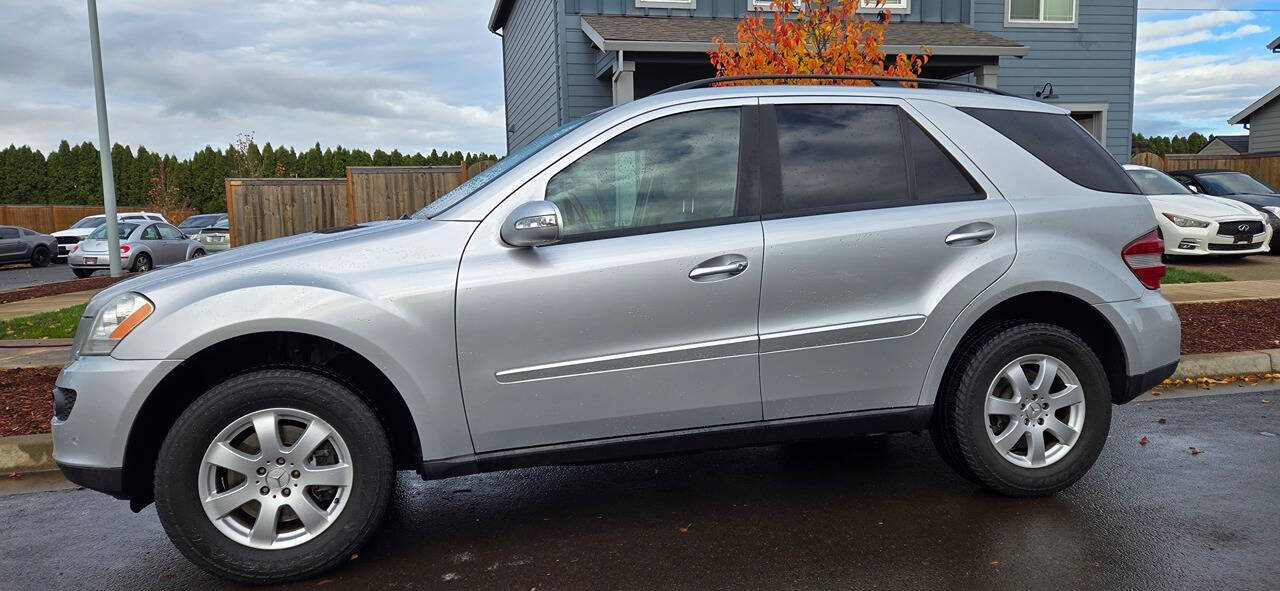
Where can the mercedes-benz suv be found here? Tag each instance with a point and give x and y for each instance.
(702, 268)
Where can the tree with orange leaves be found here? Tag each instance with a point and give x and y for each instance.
(813, 37)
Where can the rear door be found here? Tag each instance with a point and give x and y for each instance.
(877, 233)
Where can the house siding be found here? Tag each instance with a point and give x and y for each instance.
(1089, 64)
(531, 70)
(1264, 128)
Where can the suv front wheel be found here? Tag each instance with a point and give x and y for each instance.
(273, 475)
(1025, 411)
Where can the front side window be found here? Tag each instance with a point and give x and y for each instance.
(680, 169)
(7, 233)
(1059, 12)
(1059, 142)
(151, 233)
(168, 232)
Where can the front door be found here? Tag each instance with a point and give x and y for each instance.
(11, 245)
(643, 319)
(175, 244)
(876, 237)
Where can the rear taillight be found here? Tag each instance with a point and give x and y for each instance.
(76, 247)
(124, 248)
(1143, 258)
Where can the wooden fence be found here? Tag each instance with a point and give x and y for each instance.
(51, 218)
(1265, 167)
(262, 209)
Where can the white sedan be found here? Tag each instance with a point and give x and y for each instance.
(1196, 224)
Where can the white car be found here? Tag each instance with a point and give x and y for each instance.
(1197, 224)
(77, 232)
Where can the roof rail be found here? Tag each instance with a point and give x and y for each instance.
(875, 80)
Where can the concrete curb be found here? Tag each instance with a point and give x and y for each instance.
(26, 453)
(1228, 364)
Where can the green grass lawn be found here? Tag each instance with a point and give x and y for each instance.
(1180, 275)
(58, 324)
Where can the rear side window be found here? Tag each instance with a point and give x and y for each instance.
(1060, 142)
(846, 157)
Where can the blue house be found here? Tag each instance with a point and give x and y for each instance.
(563, 59)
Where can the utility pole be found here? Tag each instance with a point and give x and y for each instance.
(104, 145)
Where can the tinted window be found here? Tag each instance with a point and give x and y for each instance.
(934, 175)
(1154, 182)
(123, 230)
(835, 156)
(681, 168)
(1232, 183)
(168, 232)
(8, 233)
(1060, 142)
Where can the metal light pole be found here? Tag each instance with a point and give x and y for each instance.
(104, 145)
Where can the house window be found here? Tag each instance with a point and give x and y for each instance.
(666, 3)
(894, 6)
(1041, 12)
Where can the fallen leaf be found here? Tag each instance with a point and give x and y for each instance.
(1143, 441)
(995, 562)
(1162, 421)
(1194, 450)
(15, 474)
(1265, 401)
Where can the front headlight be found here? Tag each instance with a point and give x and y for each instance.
(1272, 209)
(115, 321)
(1186, 222)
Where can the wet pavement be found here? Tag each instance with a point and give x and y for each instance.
(880, 512)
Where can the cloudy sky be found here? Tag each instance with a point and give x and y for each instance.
(423, 74)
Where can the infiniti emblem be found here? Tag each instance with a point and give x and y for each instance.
(1243, 227)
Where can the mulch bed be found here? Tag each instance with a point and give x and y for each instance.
(26, 400)
(26, 403)
(1243, 325)
(60, 287)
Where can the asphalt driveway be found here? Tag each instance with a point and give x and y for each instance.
(18, 276)
(880, 513)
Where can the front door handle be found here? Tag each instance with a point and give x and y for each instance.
(721, 267)
(971, 234)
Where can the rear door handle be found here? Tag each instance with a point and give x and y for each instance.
(971, 234)
(721, 267)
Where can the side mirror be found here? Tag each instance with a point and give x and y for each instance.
(535, 223)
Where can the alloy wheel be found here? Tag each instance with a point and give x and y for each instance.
(275, 478)
(1035, 410)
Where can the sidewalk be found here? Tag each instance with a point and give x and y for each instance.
(17, 354)
(18, 309)
(1187, 293)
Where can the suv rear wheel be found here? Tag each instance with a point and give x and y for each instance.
(1026, 410)
(274, 475)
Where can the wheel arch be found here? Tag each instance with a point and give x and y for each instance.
(1059, 307)
(223, 359)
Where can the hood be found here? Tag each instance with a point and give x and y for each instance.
(301, 257)
(1202, 206)
(76, 232)
(1254, 199)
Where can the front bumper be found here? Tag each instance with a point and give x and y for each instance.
(1151, 335)
(1207, 241)
(90, 442)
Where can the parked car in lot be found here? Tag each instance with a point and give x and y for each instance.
(191, 226)
(23, 245)
(215, 238)
(700, 268)
(144, 245)
(1197, 224)
(1237, 186)
(79, 230)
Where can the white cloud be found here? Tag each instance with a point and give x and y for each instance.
(1198, 92)
(1163, 34)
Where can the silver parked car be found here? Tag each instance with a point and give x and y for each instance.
(144, 245)
(23, 245)
(701, 268)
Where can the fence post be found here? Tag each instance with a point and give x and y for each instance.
(462, 174)
(231, 215)
(351, 198)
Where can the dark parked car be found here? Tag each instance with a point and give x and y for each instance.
(1240, 186)
(192, 225)
(22, 245)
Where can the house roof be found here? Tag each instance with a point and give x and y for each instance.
(1274, 46)
(1243, 116)
(1239, 143)
(657, 33)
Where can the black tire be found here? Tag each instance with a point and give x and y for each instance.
(959, 428)
(182, 453)
(142, 263)
(40, 257)
(82, 273)
(197, 254)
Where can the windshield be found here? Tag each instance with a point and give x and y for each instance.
(90, 222)
(1154, 182)
(481, 180)
(123, 230)
(199, 221)
(1232, 183)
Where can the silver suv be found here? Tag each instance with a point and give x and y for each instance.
(703, 268)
